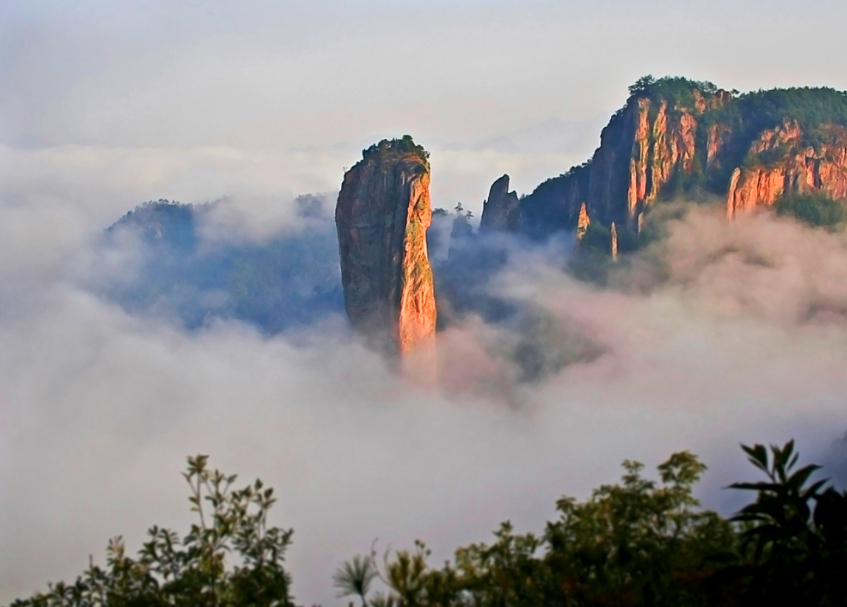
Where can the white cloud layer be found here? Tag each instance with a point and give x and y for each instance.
(743, 339)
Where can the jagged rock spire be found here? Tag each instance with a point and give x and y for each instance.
(502, 209)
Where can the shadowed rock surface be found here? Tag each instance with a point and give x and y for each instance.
(382, 215)
(502, 210)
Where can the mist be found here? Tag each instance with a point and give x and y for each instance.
(717, 334)
(192, 264)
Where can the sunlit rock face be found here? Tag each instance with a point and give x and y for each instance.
(677, 138)
(582, 222)
(781, 162)
(382, 215)
(502, 209)
(651, 144)
(613, 233)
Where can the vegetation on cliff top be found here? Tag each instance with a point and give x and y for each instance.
(747, 115)
(810, 107)
(758, 110)
(639, 542)
(404, 145)
(675, 90)
(163, 222)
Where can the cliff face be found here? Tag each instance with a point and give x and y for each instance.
(502, 210)
(645, 146)
(779, 162)
(382, 215)
(662, 145)
(674, 135)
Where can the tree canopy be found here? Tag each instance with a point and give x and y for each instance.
(638, 542)
(816, 209)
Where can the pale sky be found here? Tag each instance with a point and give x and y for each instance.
(199, 99)
(104, 105)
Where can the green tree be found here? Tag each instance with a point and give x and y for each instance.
(638, 542)
(193, 571)
(642, 85)
(796, 541)
(634, 542)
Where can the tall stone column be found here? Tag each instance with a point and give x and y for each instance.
(382, 215)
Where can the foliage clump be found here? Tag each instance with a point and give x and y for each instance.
(809, 106)
(164, 223)
(404, 145)
(641, 543)
(749, 114)
(637, 543)
(754, 111)
(794, 537)
(676, 90)
(628, 544)
(195, 570)
(816, 209)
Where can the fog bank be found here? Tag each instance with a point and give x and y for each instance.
(721, 333)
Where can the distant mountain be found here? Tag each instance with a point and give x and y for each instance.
(287, 280)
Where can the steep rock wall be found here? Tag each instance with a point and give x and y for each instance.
(645, 146)
(780, 163)
(678, 137)
(382, 215)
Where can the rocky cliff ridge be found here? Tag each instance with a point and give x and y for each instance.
(675, 135)
(781, 161)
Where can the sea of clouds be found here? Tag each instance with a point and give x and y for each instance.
(718, 334)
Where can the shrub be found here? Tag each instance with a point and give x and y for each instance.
(796, 540)
(816, 209)
(643, 543)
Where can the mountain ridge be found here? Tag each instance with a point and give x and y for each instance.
(675, 135)
(673, 138)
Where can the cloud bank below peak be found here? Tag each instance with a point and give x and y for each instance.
(720, 333)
